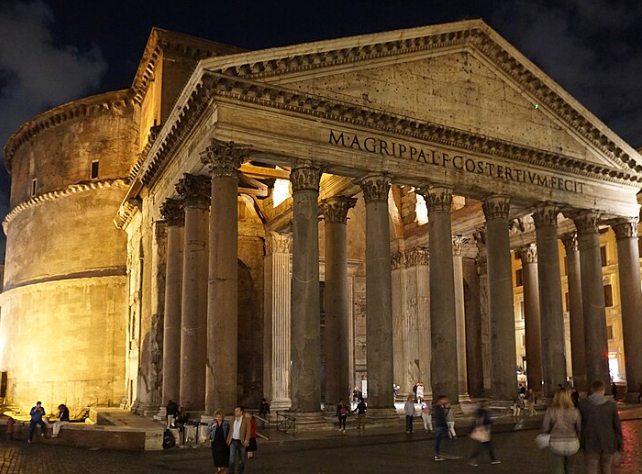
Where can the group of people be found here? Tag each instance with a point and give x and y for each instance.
(232, 444)
(344, 409)
(38, 418)
(594, 424)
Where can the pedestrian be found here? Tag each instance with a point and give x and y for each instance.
(10, 426)
(361, 414)
(426, 415)
(563, 422)
(252, 446)
(522, 390)
(171, 411)
(614, 389)
(601, 431)
(639, 392)
(238, 440)
(414, 390)
(441, 426)
(409, 410)
(575, 396)
(264, 411)
(63, 415)
(481, 433)
(515, 407)
(355, 396)
(420, 392)
(450, 422)
(532, 401)
(218, 429)
(342, 414)
(37, 414)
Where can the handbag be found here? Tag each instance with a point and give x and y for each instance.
(543, 440)
(481, 434)
(565, 446)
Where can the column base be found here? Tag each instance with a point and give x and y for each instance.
(381, 416)
(464, 398)
(631, 397)
(282, 404)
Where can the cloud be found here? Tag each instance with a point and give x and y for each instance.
(36, 73)
(590, 47)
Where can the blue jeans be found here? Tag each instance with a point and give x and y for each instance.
(32, 428)
(440, 433)
(408, 423)
(238, 453)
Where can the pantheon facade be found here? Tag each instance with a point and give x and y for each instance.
(297, 221)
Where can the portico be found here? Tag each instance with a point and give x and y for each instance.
(363, 132)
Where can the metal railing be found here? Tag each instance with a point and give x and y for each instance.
(285, 423)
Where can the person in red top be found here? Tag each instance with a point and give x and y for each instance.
(252, 446)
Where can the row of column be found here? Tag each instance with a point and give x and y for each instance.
(544, 322)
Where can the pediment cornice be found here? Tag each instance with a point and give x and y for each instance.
(218, 86)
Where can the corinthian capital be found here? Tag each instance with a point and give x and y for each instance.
(625, 228)
(458, 245)
(528, 254)
(305, 176)
(278, 243)
(173, 211)
(570, 242)
(438, 198)
(587, 222)
(545, 215)
(375, 188)
(224, 158)
(195, 189)
(335, 209)
(496, 207)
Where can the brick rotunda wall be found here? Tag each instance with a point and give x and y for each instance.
(64, 307)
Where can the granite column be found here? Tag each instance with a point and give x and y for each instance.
(337, 310)
(532, 324)
(196, 192)
(500, 289)
(595, 340)
(174, 214)
(378, 296)
(626, 233)
(551, 310)
(306, 324)
(460, 316)
(224, 160)
(576, 315)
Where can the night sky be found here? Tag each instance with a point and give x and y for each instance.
(55, 51)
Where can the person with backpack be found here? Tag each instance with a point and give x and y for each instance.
(342, 415)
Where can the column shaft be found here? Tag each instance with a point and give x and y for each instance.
(306, 330)
(174, 214)
(500, 289)
(378, 292)
(337, 311)
(576, 315)
(595, 340)
(550, 299)
(532, 318)
(223, 159)
(626, 232)
(460, 316)
(196, 191)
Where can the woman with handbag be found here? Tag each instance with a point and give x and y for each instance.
(563, 422)
(481, 435)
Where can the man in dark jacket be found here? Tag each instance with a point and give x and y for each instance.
(440, 425)
(601, 430)
(37, 414)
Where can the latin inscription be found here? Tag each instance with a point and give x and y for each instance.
(435, 157)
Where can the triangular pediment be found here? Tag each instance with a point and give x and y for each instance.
(463, 76)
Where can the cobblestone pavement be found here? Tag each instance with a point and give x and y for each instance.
(349, 453)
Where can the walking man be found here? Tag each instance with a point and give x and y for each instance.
(441, 426)
(361, 414)
(238, 440)
(601, 430)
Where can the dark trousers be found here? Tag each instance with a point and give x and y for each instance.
(342, 421)
(237, 457)
(440, 433)
(478, 449)
(32, 428)
(408, 423)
